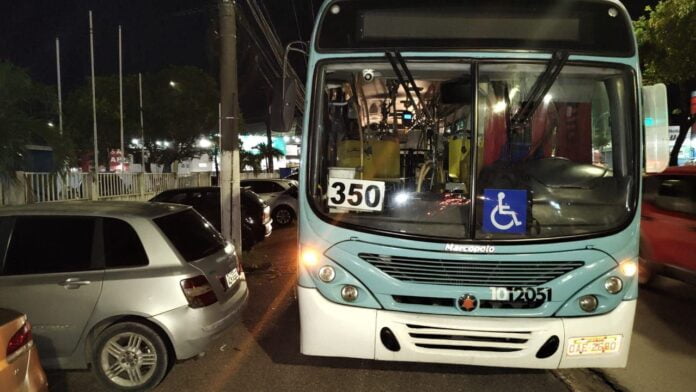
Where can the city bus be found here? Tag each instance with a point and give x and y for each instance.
(470, 182)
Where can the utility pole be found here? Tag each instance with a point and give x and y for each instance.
(229, 175)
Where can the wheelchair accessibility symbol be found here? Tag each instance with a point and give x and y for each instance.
(505, 211)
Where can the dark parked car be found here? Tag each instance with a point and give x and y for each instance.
(256, 215)
(668, 225)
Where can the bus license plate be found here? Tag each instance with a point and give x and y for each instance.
(521, 294)
(231, 278)
(594, 345)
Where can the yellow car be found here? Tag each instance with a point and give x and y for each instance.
(20, 369)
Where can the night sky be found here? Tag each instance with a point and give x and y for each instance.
(156, 33)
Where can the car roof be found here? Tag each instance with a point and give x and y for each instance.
(191, 189)
(684, 170)
(96, 208)
(264, 179)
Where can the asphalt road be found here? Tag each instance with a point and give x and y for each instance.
(663, 350)
(261, 353)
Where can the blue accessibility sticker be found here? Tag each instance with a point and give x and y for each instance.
(505, 211)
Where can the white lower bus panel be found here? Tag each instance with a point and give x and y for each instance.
(333, 330)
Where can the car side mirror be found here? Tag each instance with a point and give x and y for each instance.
(656, 121)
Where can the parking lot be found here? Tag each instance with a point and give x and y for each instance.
(262, 352)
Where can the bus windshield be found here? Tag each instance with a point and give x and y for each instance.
(402, 147)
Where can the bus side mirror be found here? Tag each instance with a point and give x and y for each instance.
(656, 121)
(285, 92)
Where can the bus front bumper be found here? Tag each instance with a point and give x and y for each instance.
(334, 330)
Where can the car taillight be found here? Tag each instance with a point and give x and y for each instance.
(19, 342)
(198, 291)
(240, 269)
(266, 214)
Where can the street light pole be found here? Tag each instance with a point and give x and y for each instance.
(142, 123)
(60, 95)
(120, 91)
(94, 96)
(229, 181)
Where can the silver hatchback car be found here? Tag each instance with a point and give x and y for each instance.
(123, 287)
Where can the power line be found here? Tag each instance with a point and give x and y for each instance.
(311, 9)
(297, 22)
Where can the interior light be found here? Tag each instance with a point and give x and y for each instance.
(309, 257)
(548, 98)
(514, 92)
(499, 107)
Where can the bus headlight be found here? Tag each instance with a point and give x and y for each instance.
(309, 257)
(613, 285)
(629, 268)
(588, 303)
(327, 274)
(349, 293)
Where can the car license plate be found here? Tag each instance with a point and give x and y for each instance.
(594, 345)
(232, 278)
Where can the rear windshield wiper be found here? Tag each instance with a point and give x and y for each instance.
(539, 90)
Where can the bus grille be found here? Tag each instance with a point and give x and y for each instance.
(470, 273)
(431, 337)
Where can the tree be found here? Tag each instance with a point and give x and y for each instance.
(26, 108)
(179, 106)
(668, 53)
(248, 159)
(79, 120)
(269, 152)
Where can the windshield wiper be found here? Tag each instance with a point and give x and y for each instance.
(539, 90)
(393, 57)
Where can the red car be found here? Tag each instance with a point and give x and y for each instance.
(668, 225)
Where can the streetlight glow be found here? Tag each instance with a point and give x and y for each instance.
(172, 83)
(204, 143)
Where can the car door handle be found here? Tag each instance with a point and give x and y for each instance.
(74, 283)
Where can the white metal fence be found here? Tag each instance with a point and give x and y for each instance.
(43, 187)
(28, 188)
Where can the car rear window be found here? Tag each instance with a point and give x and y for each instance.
(191, 235)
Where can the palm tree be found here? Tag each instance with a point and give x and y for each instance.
(269, 152)
(248, 159)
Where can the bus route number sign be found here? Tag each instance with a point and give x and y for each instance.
(359, 195)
